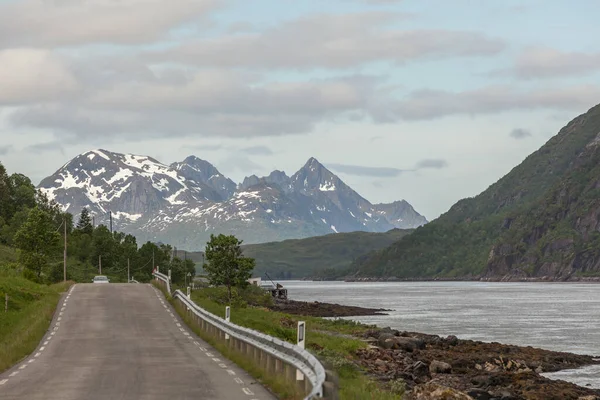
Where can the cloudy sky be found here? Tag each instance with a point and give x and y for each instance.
(424, 100)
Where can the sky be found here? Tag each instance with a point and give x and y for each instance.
(429, 101)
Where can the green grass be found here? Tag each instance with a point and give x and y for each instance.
(329, 340)
(30, 310)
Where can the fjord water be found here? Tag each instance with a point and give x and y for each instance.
(553, 316)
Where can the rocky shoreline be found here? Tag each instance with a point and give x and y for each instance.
(507, 278)
(318, 309)
(433, 367)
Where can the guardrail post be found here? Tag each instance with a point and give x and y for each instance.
(227, 318)
(169, 275)
(189, 293)
(301, 343)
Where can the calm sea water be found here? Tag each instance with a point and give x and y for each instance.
(553, 316)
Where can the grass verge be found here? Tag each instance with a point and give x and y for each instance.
(332, 341)
(30, 311)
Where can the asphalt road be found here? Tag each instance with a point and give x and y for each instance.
(119, 341)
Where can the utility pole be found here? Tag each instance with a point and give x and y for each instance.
(110, 216)
(65, 252)
(128, 280)
(153, 265)
(93, 221)
(100, 263)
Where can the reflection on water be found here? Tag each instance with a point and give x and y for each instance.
(553, 316)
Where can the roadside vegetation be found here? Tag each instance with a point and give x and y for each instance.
(334, 342)
(27, 315)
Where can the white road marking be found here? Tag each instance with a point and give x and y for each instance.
(210, 354)
(3, 381)
(248, 391)
(196, 343)
(23, 366)
(222, 365)
(231, 372)
(238, 380)
(46, 343)
(14, 373)
(202, 348)
(216, 360)
(186, 334)
(37, 354)
(42, 348)
(30, 361)
(59, 318)
(178, 325)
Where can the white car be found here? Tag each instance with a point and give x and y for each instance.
(100, 279)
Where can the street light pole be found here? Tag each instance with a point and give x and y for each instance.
(128, 280)
(65, 252)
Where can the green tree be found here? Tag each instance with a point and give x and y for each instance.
(5, 192)
(85, 222)
(225, 263)
(37, 240)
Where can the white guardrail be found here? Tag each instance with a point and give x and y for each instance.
(287, 353)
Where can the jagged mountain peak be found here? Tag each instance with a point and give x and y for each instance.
(315, 176)
(202, 171)
(183, 203)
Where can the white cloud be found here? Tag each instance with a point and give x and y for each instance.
(35, 23)
(330, 41)
(551, 63)
(30, 76)
(430, 104)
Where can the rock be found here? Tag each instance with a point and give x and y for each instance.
(478, 367)
(386, 340)
(390, 331)
(407, 343)
(440, 367)
(539, 369)
(590, 397)
(420, 369)
(481, 380)
(452, 340)
(489, 367)
(480, 394)
(432, 391)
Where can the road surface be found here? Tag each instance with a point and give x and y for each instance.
(123, 341)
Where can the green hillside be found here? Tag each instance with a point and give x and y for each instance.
(7, 254)
(460, 242)
(315, 257)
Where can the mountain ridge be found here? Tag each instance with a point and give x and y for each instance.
(184, 202)
(520, 227)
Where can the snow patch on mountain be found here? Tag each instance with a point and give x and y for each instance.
(183, 203)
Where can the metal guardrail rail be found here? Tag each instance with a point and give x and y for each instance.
(287, 353)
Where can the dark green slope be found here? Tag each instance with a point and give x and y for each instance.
(317, 257)
(459, 243)
(314, 257)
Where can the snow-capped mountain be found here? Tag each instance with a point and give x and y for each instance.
(182, 204)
